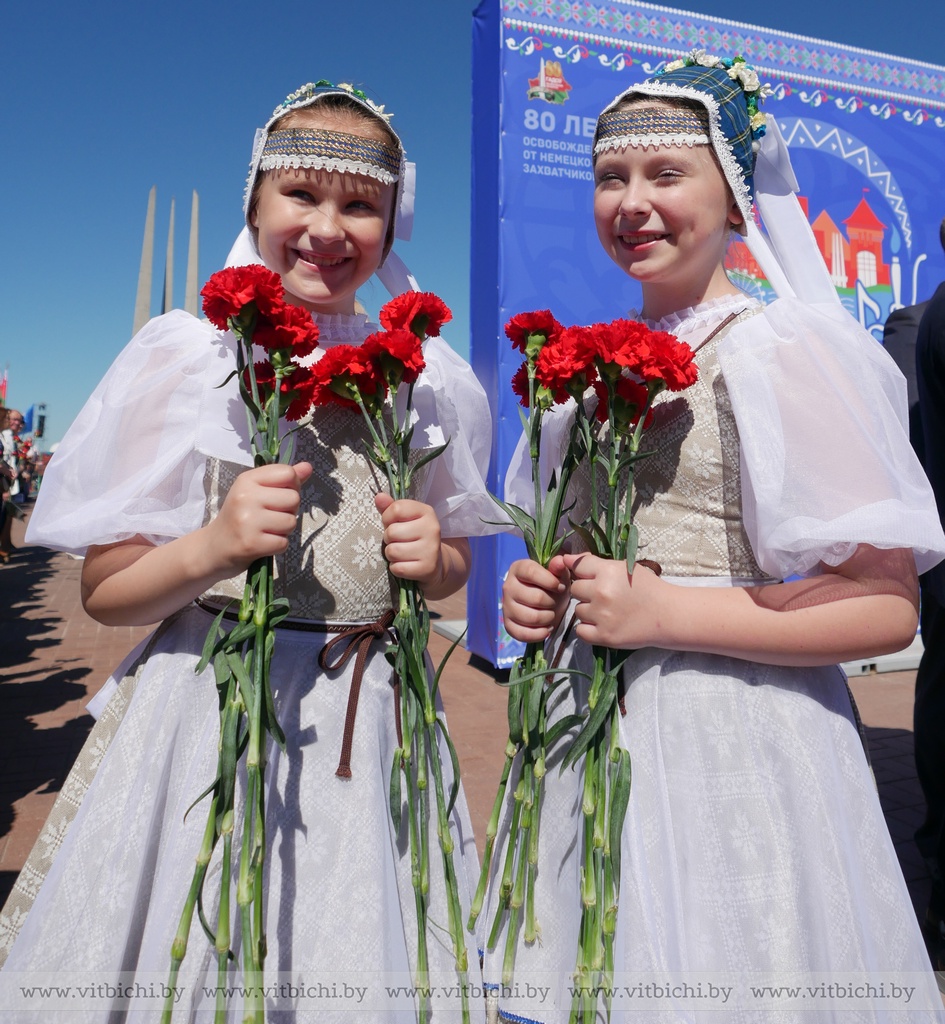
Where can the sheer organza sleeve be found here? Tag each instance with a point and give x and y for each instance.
(825, 453)
(133, 461)
(450, 404)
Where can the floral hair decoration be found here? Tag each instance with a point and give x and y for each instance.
(730, 91)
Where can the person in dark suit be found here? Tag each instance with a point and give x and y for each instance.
(915, 337)
(899, 337)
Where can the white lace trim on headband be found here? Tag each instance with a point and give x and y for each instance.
(644, 141)
(314, 162)
(730, 166)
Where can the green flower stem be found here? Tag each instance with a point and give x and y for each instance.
(414, 804)
(492, 830)
(505, 888)
(420, 757)
(223, 921)
(179, 945)
(454, 911)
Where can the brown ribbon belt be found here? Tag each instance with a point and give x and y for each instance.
(351, 639)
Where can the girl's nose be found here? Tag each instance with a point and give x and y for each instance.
(324, 223)
(635, 199)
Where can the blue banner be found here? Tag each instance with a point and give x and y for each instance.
(867, 139)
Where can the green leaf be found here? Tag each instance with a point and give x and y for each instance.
(633, 540)
(242, 677)
(595, 720)
(560, 727)
(209, 645)
(272, 723)
(525, 523)
(515, 712)
(429, 457)
(202, 796)
(619, 799)
(394, 795)
(446, 657)
(540, 673)
(590, 541)
(454, 760)
(532, 705)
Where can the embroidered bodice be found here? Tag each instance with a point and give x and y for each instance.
(333, 569)
(688, 494)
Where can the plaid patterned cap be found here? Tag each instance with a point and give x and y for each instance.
(729, 90)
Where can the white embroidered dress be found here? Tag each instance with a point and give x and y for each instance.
(754, 852)
(153, 453)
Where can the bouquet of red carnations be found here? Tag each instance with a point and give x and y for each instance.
(611, 373)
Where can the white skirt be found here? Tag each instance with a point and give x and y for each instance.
(341, 930)
(758, 883)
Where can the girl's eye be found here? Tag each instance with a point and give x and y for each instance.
(301, 193)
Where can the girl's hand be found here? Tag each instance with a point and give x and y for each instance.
(615, 609)
(864, 607)
(534, 599)
(415, 550)
(132, 582)
(258, 514)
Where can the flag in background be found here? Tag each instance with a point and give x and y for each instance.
(28, 420)
(3, 387)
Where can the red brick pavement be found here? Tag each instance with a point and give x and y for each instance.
(53, 658)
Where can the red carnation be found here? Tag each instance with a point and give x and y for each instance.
(523, 325)
(290, 327)
(265, 380)
(520, 384)
(229, 291)
(423, 313)
(670, 360)
(399, 354)
(342, 372)
(298, 393)
(629, 400)
(295, 388)
(566, 365)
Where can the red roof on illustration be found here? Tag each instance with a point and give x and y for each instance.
(864, 218)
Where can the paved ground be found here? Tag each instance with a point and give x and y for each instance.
(53, 657)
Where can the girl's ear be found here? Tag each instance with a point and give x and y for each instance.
(735, 218)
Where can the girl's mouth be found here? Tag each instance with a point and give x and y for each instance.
(317, 260)
(641, 239)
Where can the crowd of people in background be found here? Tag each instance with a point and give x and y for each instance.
(21, 465)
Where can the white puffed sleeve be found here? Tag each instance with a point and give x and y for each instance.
(133, 461)
(825, 453)
(450, 405)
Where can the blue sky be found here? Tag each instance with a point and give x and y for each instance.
(101, 101)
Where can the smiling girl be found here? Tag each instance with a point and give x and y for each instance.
(154, 486)
(754, 851)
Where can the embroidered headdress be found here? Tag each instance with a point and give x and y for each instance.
(751, 152)
(727, 89)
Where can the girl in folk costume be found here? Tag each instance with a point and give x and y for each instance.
(754, 850)
(153, 485)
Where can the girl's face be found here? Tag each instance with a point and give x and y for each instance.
(663, 215)
(323, 232)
